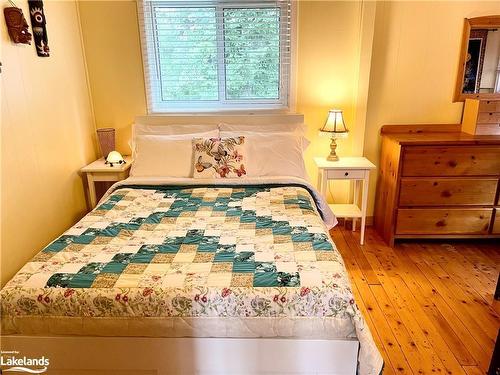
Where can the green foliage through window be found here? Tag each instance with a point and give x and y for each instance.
(220, 54)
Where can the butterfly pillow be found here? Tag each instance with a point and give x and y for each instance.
(219, 157)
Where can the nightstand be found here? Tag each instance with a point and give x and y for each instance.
(99, 171)
(356, 169)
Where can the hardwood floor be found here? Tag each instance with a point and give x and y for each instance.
(429, 305)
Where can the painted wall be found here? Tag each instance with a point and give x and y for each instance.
(327, 65)
(113, 51)
(46, 137)
(414, 66)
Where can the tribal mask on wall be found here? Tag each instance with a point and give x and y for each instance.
(38, 24)
(17, 25)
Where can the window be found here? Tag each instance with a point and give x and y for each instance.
(216, 55)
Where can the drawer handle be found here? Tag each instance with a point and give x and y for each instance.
(346, 174)
(452, 163)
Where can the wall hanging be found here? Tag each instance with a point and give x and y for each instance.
(16, 24)
(38, 24)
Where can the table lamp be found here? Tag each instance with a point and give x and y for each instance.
(114, 157)
(335, 128)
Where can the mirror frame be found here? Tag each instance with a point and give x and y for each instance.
(486, 22)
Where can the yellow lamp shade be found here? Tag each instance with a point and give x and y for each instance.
(335, 125)
(114, 157)
(335, 128)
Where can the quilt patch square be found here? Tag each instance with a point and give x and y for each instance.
(242, 279)
(114, 267)
(128, 280)
(105, 280)
(202, 257)
(163, 258)
(221, 267)
(135, 268)
(219, 279)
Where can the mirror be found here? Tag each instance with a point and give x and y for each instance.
(479, 69)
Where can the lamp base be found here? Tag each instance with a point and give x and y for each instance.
(333, 155)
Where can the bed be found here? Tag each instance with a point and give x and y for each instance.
(242, 269)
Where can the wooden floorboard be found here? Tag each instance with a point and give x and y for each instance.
(429, 304)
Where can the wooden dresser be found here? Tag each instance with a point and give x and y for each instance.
(437, 184)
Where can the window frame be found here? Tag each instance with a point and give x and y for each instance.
(151, 69)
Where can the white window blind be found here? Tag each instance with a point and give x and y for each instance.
(216, 54)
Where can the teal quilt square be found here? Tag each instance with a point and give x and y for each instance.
(122, 258)
(173, 240)
(154, 218)
(106, 206)
(169, 248)
(207, 247)
(264, 222)
(142, 258)
(111, 230)
(244, 267)
(60, 280)
(265, 279)
(57, 245)
(261, 267)
(302, 237)
(224, 254)
(84, 239)
(322, 245)
(282, 228)
(82, 280)
(92, 268)
(288, 279)
(234, 211)
(248, 217)
(114, 267)
(148, 249)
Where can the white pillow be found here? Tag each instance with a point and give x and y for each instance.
(165, 156)
(181, 129)
(248, 130)
(272, 154)
(266, 128)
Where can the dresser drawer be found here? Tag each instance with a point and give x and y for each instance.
(451, 161)
(347, 174)
(488, 129)
(488, 117)
(447, 191)
(443, 221)
(489, 106)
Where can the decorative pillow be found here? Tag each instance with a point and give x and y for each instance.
(219, 157)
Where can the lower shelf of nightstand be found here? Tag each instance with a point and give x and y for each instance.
(345, 210)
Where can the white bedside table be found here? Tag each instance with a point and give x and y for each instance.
(99, 171)
(356, 169)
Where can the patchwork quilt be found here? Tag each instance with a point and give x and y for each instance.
(191, 251)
